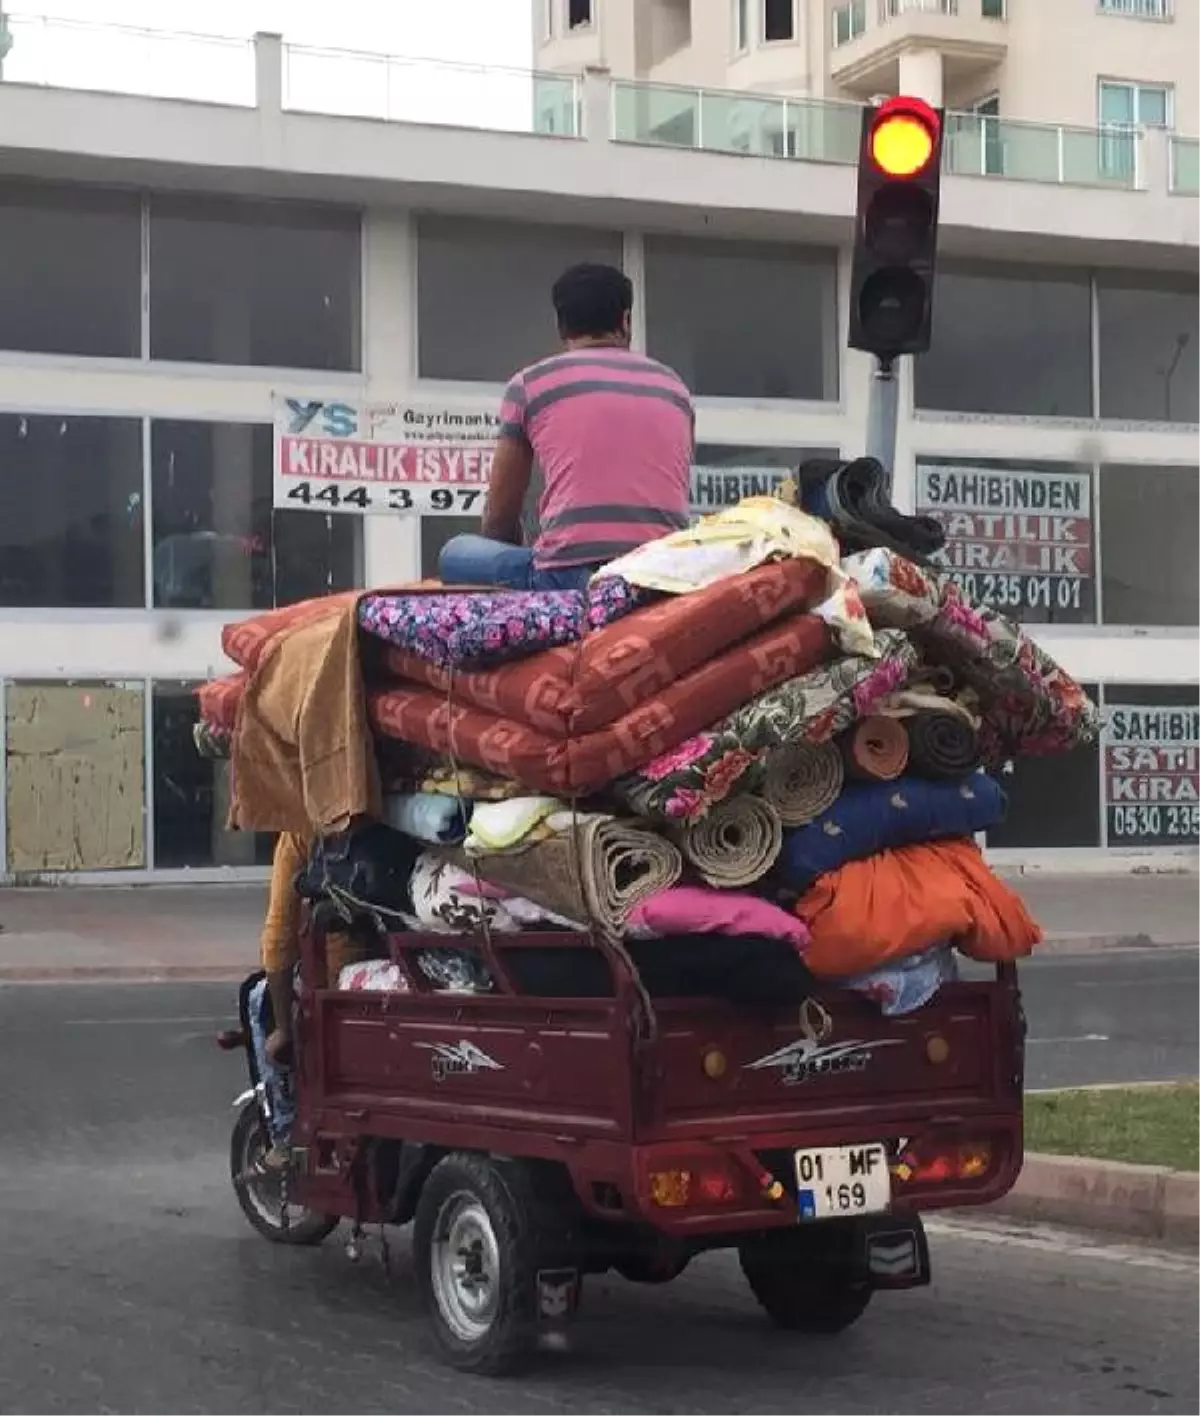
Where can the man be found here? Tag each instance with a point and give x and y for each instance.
(612, 432)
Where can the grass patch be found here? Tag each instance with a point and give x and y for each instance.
(1145, 1125)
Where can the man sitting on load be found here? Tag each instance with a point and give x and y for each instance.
(612, 432)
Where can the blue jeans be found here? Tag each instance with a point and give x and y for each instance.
(276, 1081)
(477, 560)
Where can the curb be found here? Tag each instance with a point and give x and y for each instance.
(1140, 1201)
(131, 973)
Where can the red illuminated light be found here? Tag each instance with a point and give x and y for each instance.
(903, 137)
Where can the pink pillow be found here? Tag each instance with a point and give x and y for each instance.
(695, 909)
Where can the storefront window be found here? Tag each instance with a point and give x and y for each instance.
(1149, 346)
(1151, 765)
(723, 474)
(191, 793)
(1019, 535)
(259, 283)
(483, 292)
(738, 319)
(71, 515)
(1010, 340)
(1053, 802)
(1150, 567)
(75, 776)
(218, 543)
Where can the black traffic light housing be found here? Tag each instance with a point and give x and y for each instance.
(895, 228)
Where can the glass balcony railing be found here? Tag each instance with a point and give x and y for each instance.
(349, 83)
(980, 145)
(1185, 167)
(661, 115)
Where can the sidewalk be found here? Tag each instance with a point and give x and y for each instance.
(211, 931)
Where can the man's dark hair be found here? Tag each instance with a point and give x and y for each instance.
(591, 300)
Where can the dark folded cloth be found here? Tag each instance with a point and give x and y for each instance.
(870, 817)
(365, 872)
(941, 745)
(853, 497)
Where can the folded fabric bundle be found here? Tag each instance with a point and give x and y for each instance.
(474, 783)
(901, 902)
(800, 781)
(921, 697)
(446, 899)
(869, 817)
(434, 819)
(373, 976)
(1029, 704)
(941, 745)
(876, 749)
(459, 628)
(908, 984)
(854, 498)
(511, 825)
(812, 707)
(736, 844)
(218, 701)
(595, 871)
(694, 909)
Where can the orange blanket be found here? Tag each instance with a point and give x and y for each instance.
(901, 901)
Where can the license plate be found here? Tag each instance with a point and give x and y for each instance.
(837, 1181)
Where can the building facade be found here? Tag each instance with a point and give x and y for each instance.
(173, 269)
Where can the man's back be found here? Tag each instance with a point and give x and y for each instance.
(613, 433)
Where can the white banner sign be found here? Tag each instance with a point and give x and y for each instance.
(419, 459)
(714, 488)
(1152, 774)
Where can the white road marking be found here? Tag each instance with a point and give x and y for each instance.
(1082, 1037)
(1046, 1240)
(135, 1022)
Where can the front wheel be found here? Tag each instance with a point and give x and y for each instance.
(806, 1281)
(261, 1192)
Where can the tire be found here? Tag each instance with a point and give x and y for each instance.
(478, 1243)
(805, 1282)
(259, 1195)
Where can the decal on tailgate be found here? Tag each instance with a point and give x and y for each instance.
(451, 1059)
(806, 1057)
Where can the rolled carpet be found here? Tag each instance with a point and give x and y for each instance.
(802, 779)
(941, 745)
(876, 749)
(735, 844)
(595, 871)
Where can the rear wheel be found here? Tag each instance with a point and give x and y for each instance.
(807, 1281)
(261, 1191)
(479, 1241)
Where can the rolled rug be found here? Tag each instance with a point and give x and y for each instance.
(735, 844)
(876, 749)
(941, 745)
(594, 871)
(802, 780)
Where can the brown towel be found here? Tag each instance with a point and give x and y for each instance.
(596, 872)
(735, 844)
(802, 780)
(876, 749)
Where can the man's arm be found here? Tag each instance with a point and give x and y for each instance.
(512, 467)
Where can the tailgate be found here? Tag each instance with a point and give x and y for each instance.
(835, 1061)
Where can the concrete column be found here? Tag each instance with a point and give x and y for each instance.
(597, 104)
(921, 75)
(268, 72)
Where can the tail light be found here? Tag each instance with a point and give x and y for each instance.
(702, 1183)
(940, 1164)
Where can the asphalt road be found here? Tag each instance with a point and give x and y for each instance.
(132, 1284)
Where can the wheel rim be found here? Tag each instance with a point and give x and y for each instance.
(465, 1262)
(263, 1188)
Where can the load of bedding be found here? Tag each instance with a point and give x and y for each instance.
(736, 733)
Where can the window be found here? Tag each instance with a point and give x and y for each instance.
(994, 9)
(1020, 535)
(579, 14)
(1138, 9)
(1148, 551)
(779, 20)
(71, 275)
(71, 512)
(1151, 745)
(1149, 346)
(1052, 801)
(849, 22)
(218, 542)
(191, 793)
(274, 284)
(723, 474)
(1036, 358)
(1126, 105)
(743, 320)
(483, 292)
(76, 776)
(548, 18)
(741, 26)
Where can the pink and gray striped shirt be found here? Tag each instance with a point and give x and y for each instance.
(612, 432)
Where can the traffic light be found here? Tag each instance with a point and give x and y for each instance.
(895, 230)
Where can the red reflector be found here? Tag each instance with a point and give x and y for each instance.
(970, 1160)
(716, 1187)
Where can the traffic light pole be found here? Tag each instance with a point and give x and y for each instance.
(882, 411)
